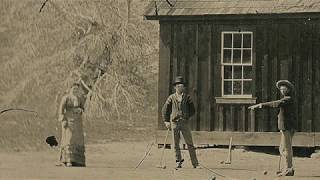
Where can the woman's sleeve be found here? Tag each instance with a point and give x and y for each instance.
(62, 107)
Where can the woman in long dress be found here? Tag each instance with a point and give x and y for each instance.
(72, 152)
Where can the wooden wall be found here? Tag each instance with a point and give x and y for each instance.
(283, 49)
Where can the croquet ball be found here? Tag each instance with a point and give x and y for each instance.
(265, 172)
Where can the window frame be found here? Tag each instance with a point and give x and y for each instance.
(232, 65)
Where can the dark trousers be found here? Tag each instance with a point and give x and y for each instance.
(182, 126)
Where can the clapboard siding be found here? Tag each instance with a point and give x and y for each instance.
(283, 49)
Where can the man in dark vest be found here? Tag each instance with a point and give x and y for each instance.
(176, 112)
(286, 122)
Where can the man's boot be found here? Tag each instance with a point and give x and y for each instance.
(287, 172)
(179, 163)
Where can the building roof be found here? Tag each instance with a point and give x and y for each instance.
(159, 8)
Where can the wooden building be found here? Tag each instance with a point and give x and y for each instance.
(231, 53)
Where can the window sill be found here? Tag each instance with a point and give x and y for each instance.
(236, 100)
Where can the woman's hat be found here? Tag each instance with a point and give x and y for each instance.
(179, 80)
(285, 83)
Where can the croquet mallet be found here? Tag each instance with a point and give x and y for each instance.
(163, 163)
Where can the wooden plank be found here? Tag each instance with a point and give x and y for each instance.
(283, 50)
(300, 139)
(204, 32)
(221, 100)
(218, 124)
(191, 64)
(306, 75)
(175, 52)
(210, 97)
(228, 115)
(252, 121)
(297, 69)
(196, 85)
(273, 34)
(164, 68)
(242, 124)
(237, 117)
(316, 77)
(292, 61)
(262, 40)
(221, 117)
(213, 81)
(317, 139)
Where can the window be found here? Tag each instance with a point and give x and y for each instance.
(236, 61)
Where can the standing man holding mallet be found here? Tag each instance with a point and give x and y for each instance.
(286, 122)
(176, 113)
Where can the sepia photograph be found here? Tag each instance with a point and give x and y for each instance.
(160, 89)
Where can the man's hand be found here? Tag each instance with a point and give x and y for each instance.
(64, 124)
(255, 106)
(79, 110)
(60, 118)
(168, 125)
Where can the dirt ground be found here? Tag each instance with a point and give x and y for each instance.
(117, 160)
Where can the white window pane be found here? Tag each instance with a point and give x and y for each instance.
(227, 56)
(247, 40)
(246, 58)
(236, 56)
(227, 72)
(247, 72)
(247, 87)
(227, 87)
(237, 72)
(237, 86)
(237, 40)
(227, 40)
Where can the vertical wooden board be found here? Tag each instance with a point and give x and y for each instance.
(283, 50)
(260, 58)
(203, 83)
(237, 117)
(196, 74)
(212, 78)
(210, 67)
(261, 41)
(273, 73)
(190, 37)
(292, 63)
(221, 117)
(175, 50)
(179, 48)
(297, 69)
(165, 44)
(316, 76)
(182, 55)
(227, 115)
(306, 77)
(244, 117)
(218, 124)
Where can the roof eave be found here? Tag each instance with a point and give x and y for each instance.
(298, 15)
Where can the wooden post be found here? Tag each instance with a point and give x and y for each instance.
(242, 125)
(252, 120)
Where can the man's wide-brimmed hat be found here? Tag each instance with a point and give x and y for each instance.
(285, 83)
(179, 80)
